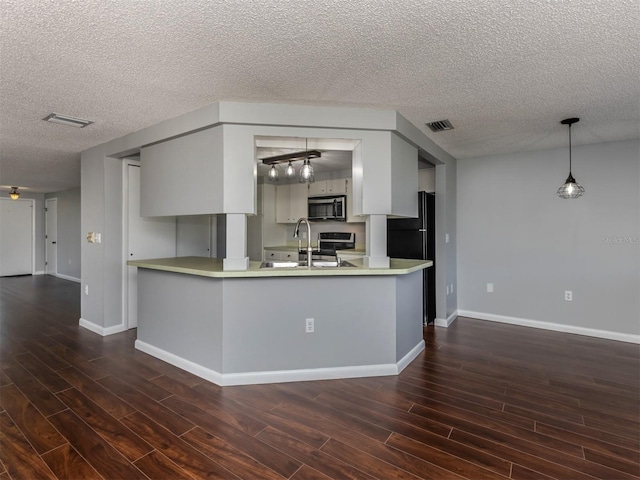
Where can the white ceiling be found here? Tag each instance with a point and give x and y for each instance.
(505, 72)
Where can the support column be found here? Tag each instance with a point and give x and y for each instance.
(376, 244)
(236, 258)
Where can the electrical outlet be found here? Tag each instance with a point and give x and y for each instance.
(309, 325)
(446, 238)
(568, 295)
(86, 289)
(490, 287)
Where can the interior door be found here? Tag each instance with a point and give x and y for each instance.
(148, 237)
(16, 237)
(51, 236)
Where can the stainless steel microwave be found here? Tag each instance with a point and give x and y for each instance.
(329, 208)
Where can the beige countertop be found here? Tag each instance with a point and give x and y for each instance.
(212, 267)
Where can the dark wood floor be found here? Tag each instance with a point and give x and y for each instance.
(485, 401)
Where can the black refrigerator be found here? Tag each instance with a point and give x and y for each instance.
(416, 238)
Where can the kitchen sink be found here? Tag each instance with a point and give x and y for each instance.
(303, 264)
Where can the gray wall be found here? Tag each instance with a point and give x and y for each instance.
(40, 255)
(408, 312)
(183, 176)
(69, 233)
(101, 212)
(514, 232)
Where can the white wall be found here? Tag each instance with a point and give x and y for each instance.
(514, 232)
(38, 266)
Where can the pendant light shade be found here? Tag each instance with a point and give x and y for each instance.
(273, 174)
(14, 193)
(570, 188)
(306, 172)
(289, 171)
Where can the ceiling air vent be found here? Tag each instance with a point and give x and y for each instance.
(67, 120)
(440, 126)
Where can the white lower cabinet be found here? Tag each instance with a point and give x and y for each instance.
(280, 255)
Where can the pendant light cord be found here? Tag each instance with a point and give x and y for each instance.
(570, 149)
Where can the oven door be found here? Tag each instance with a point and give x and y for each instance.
(328, 208)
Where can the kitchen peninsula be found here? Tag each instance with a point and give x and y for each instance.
(250, 326)
(224, 318)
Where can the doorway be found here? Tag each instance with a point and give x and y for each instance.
(17, 236)
(51, 236)
(143, 237)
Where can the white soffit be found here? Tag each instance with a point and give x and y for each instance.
(504, 72)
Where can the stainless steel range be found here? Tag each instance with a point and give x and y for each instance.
(329, 243)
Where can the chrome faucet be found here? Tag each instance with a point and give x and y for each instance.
(296, 234)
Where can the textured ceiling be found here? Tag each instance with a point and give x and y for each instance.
(505, 72)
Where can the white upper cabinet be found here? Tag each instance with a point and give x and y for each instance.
(336, 186)
(318, 188)
(291, 202)
(351, 218)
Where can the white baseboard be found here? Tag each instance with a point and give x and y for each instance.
(557, 327)
(67, 277)
(411, 356)
(101, 330)
(281, 376)
(180, 362)
(442, 322)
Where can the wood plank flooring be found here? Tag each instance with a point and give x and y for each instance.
(484, 401)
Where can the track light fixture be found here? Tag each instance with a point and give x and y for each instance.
(306, 172)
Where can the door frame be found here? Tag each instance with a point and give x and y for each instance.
(33, 229)
(46, 235)
(126, 162)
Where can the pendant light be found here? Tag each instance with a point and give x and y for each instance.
(571, 188)
(14, 193)
(273, 174)
(306, 172)
(289, 171)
